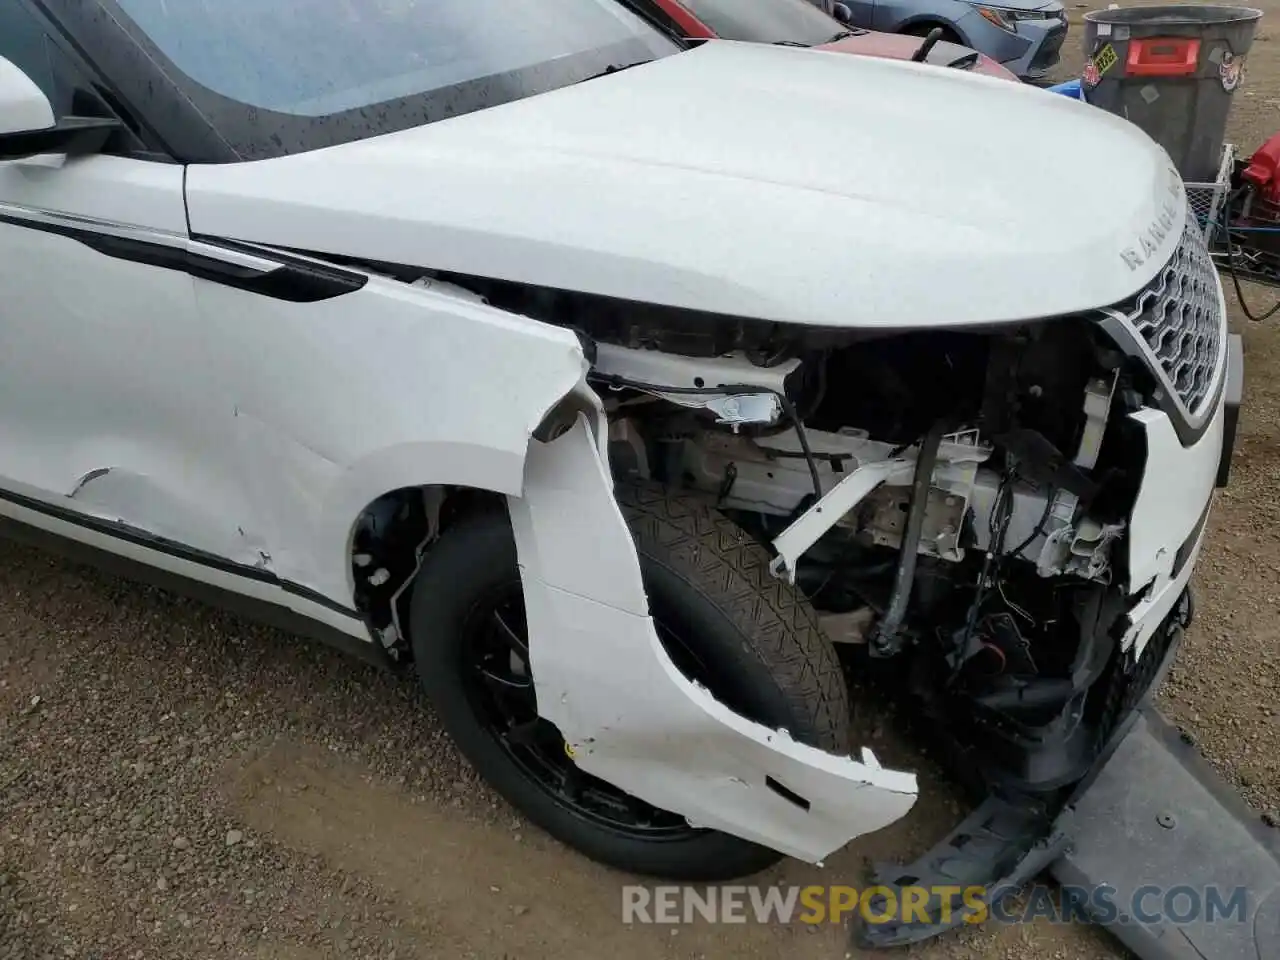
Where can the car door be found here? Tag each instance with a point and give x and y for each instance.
(107, 414)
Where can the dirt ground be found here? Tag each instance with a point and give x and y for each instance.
(177, 783)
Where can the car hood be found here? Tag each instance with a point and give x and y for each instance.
(767, 182)
(901, 46)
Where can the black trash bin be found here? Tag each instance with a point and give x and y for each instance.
(1172, 71)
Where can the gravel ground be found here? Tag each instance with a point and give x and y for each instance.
(175, 782)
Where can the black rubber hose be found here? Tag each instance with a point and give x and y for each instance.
(1232, 198)
(904, 579)
(790, 410)
(930, 41)
(1235, 279)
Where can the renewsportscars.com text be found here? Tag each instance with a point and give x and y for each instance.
(877, 904)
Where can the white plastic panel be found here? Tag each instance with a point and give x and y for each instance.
(1176, 486)
(629, 715)
(395, 385)
(1176, 489)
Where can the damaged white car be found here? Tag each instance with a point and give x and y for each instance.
(561, 363)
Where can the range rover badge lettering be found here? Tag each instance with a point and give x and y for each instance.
(1157, 232)
(1132, 258)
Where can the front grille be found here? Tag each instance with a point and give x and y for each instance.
(1050, 51)
(1179, 316)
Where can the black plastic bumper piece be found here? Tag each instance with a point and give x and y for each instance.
(1158, 817)
(1231, 404)
(1156, 820)
(1003, 844)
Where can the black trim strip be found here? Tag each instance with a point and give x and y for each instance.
(252, 608)
(74, 136)
(291, 279)
(1231, 406)
(295, 273)
(314, 596)
(1184, 552)
(149, 541)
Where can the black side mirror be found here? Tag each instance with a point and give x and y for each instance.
(73, 136)
(842, 12)
(28, 126)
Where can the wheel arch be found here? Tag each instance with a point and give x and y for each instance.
(927, 21)
(585, 609)
(389, 539)
(403, 498)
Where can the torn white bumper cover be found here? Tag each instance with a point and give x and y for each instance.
(629, 716)
(1165, 537)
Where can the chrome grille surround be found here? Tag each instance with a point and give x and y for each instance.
(1177, 324)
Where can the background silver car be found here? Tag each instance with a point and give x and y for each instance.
(1024, 35)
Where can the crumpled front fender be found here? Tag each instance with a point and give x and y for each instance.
(625, 711)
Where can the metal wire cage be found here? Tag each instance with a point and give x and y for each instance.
(1208, 202)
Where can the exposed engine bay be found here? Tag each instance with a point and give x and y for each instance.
(995, 525)
(951, 501)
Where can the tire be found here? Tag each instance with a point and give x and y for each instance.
(922, 30)
(752, 639)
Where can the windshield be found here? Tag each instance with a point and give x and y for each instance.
(766, 21)
(430, 59)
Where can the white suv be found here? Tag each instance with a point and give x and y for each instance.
(560, 361)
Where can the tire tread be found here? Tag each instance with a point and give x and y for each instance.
(732, 570)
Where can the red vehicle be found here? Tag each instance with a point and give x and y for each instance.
(800, 23)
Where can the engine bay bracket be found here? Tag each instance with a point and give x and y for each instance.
(809, 527)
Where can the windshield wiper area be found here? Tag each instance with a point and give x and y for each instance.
(791, 43)
(844, 35)
(615, 68)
